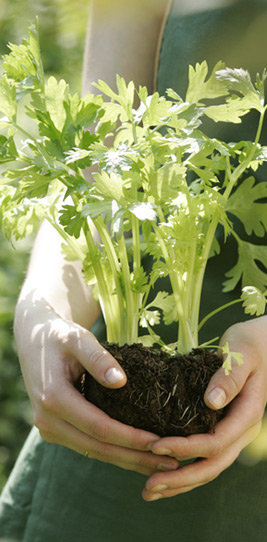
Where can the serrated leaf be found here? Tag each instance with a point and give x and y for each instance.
(254, 301)
(88, 109)
(55, 95)
(109, 186)
(228, 356)
(139, 280)
(165, 182)
(232, 111)
(243, 97)
(244, 204)
(149, 318)
(24, 60)
(246, 270)
(149, 340)
(157, 110)
(72, 220)
(239, 81)
(8, 104)
(200, 88)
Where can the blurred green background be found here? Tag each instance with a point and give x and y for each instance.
(62, 25)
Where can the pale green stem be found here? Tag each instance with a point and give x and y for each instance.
(198, 283)
(211, 314)
(110, 309)
(118, 298)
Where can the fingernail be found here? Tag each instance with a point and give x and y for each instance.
(155, 497)
(217, 397)
(164, 467)
(113, 375)
(159, 487)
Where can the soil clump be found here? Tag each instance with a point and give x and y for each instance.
(163, 394)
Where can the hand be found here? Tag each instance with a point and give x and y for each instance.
(245, 391)
(53, 354)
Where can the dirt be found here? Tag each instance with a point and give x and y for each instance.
(163, 394)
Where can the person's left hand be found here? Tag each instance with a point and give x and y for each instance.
(245, 391)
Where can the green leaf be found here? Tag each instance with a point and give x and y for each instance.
(72, 220)
(236, 356)
(149, 340)
(157, 110)
(243, 97)
(8, 104)
(247, 269)
(32, 185)
(149, 318)
(143, 210)
(166, 303)
(8, 151)
(244, 204)
(139, 280)
(200, 87)
(239, 82)
(24, 60)
(88, 108)
(166, 181)
(55, 95)
(109, 186)
(254, 301)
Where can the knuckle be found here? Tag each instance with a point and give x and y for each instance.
(233, 385)
(100, 431)
(101, 452)
(216, 449)
(47, 436)
(43, 427)
(70, 337)
(49, 402)
(96, 356)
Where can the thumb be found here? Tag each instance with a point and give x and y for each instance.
(222, 388)
(103, 367)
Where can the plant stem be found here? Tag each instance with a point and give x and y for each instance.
(118, 299)
(109, 303)
(211, 314)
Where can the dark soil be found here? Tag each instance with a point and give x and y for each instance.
(163, 394)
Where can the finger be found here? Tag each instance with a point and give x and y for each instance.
(150, 496)
(84, 347)
(143, 462)
(243, 413)
(223, 388)
(74, 409)
(200, 472)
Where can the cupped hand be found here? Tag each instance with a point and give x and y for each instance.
(245, 393)
(53, 354)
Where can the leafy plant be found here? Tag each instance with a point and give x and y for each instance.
(156, 175)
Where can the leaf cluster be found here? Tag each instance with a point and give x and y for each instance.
(159, 177)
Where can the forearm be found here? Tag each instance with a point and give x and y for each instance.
(57, 282)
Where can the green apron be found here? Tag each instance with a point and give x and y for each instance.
(56, 495)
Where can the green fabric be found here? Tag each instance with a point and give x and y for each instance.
(57, 495)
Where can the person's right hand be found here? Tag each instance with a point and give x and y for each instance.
(53, 354)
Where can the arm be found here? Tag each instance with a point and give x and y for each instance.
(53, 315)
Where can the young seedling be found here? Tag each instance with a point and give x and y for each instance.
(161, 187)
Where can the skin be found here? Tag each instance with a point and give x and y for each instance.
(55, 310)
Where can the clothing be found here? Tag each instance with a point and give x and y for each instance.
(57, 495)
